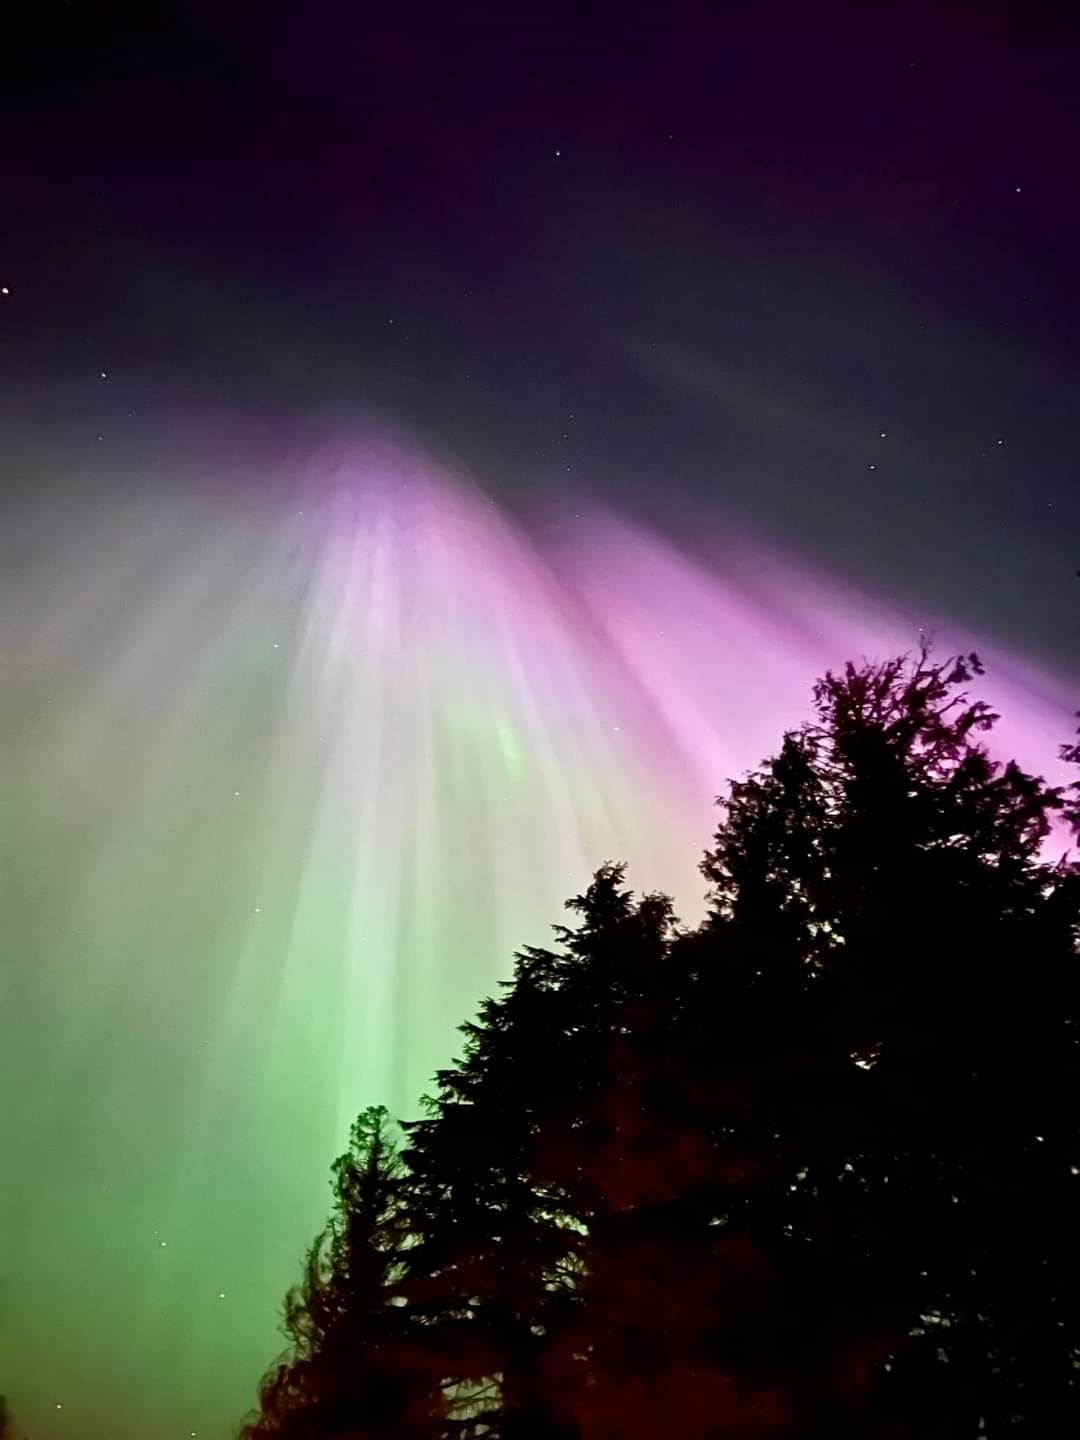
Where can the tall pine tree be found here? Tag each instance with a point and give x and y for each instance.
(508, 1166)
(357, 1364)
(909, 1029)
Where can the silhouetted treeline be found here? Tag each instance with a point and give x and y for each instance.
(809, 1170)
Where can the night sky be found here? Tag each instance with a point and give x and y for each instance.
(438, 447)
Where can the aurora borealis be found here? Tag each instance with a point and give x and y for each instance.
(290, 789)
(436, 454)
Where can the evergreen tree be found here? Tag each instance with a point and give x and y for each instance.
(357, 1364)
(506, 1168)
(906, 1023)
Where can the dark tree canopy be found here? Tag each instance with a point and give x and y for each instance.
(809, 1170)
(355, 1364)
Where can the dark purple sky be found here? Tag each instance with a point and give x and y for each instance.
(737, 242)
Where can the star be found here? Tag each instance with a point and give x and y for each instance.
(104, 374)
(4, 290)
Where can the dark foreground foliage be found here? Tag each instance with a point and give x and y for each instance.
(809, 1170)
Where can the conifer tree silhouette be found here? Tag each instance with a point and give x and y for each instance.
(506, 1162)
(809, 1170)
(909, 1028)
(356, 1365)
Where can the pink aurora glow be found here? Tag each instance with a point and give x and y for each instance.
(636, 679)
(728, 658)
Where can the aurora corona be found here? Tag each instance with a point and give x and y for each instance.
(295, 770)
